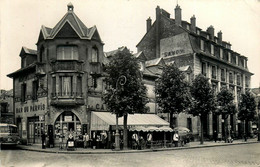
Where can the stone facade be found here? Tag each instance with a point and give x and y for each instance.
(6, 106)
(182, 43)
(61, 82)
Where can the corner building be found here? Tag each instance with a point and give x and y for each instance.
(60, 82)
(196, 52)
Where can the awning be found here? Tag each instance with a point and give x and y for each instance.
(135, 122)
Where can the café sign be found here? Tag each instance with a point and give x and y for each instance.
(31, 108)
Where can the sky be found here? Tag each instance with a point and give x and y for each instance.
(123, 23)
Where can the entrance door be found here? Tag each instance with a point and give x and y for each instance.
(71, 126)
(31, 132)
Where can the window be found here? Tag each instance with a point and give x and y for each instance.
(189, 124)
(198, 32)
(204, 69)
(212, 49)
(67, 53)
(174, 122)
(23, 92)
(238, 79)
(221, 53)
(35, 89)
(230, 77)
(229, 57)
(79, 86)
(4, 108)
(223, 78)
(54, 86)
(202, 45)
(41, 54)
(94, 55)
(66, 86)
(23, 62)
(214, 74)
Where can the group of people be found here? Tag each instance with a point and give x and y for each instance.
(138, 142)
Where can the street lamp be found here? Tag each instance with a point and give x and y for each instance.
(121, 81)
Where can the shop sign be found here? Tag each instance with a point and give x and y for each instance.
(98, 107)
(68, 118)
(31, 108)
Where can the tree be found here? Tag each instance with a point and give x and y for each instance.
(129, 97)
(204, 100)
(225, 100)
(172, 92)
(247, 108)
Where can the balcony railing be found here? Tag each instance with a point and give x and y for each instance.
(95, 68)
(40, 69)
(67, 99)
(67, 66)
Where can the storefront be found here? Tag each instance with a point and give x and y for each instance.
(67, 121)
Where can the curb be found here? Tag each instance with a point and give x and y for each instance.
(131, 151)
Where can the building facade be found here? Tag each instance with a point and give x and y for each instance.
(189, 47)
(61, 82)
(6, 106)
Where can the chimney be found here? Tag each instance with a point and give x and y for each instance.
(193, 23)
(219, 37)
(148, 24)
(178, 15)
(210, 30)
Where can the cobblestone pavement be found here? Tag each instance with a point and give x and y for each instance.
(247, 155)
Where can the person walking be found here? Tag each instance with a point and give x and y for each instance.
(60, 140)
(215, 136)
(86, 140)
(43, 140)
(176, 138)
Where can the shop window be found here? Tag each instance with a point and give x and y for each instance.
(35, 89)
(67, 53)
(23, 92)
(66, 86)
(94, 55)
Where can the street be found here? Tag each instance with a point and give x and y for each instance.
(222, 156)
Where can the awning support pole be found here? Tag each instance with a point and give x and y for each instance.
(117, 147)
(164, 136)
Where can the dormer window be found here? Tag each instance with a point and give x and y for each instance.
(67, 53)
(202, 45)
(221, 53)
(23, 62)
(198, 32)
(212, 49)
(94, 55)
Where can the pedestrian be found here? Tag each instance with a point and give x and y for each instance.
(94, 140)
(245, 137)
(43, 140)
(215, 136)
(219, 137)
(86, 140)
(60, 139)
(176, 138)
(149, 140)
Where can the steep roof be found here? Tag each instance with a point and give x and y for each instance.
(76, 25)
(155, 62)
(29, 51)
(113, 52)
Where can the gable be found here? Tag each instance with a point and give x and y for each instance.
(67, 31)
(96, 36)
(40, 38)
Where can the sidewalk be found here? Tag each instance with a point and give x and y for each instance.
(191, 145)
